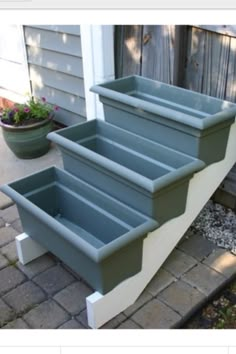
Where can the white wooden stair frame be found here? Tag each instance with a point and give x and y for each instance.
(157, 245)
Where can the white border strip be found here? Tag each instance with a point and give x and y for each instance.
(98, 63)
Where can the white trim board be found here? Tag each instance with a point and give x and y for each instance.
(160, 243)
(156, 247)
(97, 43)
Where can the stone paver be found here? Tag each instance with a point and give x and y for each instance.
(10, 277)
(72, 272)
(204, 279)
(143, 299)
(156, 315)
(179, 262)
(9, 251)
(7, 234)
(2, 223)
(188, 234)
(17, 226)
(9, 214)
(54, 279)
(6, 313)
(173, 294)
(73, 297)
(72, 324)
(197, 247)
(221, 196)
(115, 322)
(37, 266)
(24, 297)
(129, 324)
(3, 262)
(181, 297)
(17, 324)
(47, 315)
(160, 281)
(222, 261)
(82, 318)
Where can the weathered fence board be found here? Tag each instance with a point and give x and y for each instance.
(228, 30)
(199, 58)
(230, 93)
(195, 60)
(158, 60)
(128, 55)
(215, 64)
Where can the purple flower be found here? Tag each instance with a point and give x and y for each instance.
(56, 108)
(26, 110)
(43, 99)
(11, 116)
(16, 109)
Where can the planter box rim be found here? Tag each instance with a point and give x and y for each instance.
(146, 184)
(97, 255)
(170, 114)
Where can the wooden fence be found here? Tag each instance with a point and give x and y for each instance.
(199, 58)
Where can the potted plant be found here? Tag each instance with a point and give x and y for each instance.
(26, 125)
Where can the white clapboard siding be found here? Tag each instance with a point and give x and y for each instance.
(64, 63)
(68, 117)
(46, 77)
(69, 29)
(56, 70)
(62, 99)
(14, 78)
(56, 41)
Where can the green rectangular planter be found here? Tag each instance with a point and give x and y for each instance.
(140, 173)
(181, 119)
(97, 236)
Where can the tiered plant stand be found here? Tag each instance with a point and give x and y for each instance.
(130, 188)
(102, 308)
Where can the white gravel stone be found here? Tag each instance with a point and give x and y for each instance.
(217, 224)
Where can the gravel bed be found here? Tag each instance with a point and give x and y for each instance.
(217, 224)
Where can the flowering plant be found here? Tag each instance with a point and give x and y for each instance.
(34, 110)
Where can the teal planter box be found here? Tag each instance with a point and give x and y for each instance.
(181, 119)
(140, 173)
(98, 237)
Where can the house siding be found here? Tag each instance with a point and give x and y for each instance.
(14, 80)
(55, 69)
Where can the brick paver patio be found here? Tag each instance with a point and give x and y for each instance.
(46, 294)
